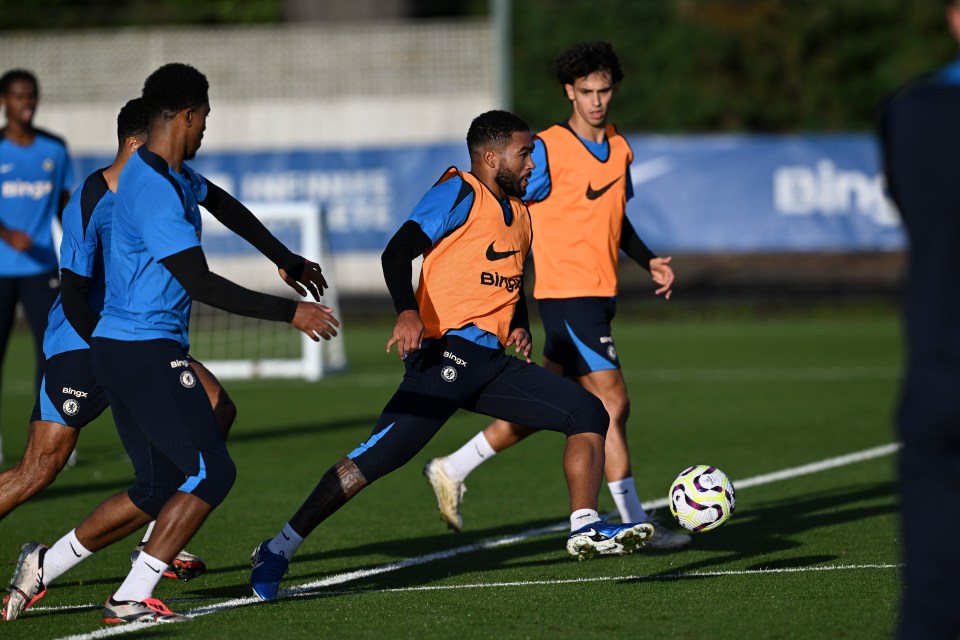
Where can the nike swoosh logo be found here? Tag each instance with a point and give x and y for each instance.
(74, 550)
(493, 254)
(151, 568)
(6, 168)
(285, 536)
(594, 194)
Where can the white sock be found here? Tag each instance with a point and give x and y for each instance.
(461, 462)
(142, 579)
(66, 553)
(148, 532)
(286, 543)
(583, 517)
(627, 501)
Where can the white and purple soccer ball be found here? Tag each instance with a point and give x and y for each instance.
(702, 498)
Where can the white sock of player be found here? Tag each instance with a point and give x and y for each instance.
(583, 517)
(461, 462)
(286, 543)
(142, 579)
(148, 532)
(66, 553)
(627, 501)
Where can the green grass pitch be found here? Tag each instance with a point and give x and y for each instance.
(810, 556)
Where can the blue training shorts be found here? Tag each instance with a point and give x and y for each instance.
(69, 392)
(577, 334)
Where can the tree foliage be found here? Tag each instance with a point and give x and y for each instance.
(735, 65)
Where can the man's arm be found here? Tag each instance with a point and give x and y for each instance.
(407, 243)
(190, 268)
(634, 246)
(76, 307)
(299, 273)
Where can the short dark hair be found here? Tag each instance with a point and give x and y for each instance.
(133, 120)
(493, 129)
(173, 88)
(18, 74)
(584, 58)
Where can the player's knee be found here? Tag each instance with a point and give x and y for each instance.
(150, 499)
(588, 416)
(618, 408)
(221, 474)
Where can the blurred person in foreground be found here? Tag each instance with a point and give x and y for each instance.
(474, 232)
(920, 138)
(35, 181)
(577, 196)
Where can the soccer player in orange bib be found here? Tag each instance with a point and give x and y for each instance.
(577, 196)
(474, 233)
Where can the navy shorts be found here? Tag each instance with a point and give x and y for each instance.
(577, 334)
(165, 421)
(453, 373)
(69, 392)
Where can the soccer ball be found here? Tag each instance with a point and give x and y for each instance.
(702, 498)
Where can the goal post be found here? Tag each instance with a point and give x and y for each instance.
(236, 347)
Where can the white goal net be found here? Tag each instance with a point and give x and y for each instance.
(236, 347)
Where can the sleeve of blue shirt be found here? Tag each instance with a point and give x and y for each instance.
(166, 230)
(443, 208)
(66, 175)
(77, 249)
(538, 187)
(197, 181)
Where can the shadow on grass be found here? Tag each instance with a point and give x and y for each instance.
(760, 533)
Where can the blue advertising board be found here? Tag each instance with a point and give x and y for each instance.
(695, 194)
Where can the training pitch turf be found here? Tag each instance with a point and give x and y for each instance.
(810, 553)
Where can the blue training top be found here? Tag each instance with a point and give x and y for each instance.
(33, 180)
(443, 209)
(84, 249)
(156, 216)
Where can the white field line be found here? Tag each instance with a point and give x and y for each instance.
(341, 578)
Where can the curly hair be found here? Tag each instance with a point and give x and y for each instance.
(18, 74)
(173, 88)
(133, 121)
(493, 129)
(584, 58)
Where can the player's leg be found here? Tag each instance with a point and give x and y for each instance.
(529, 395)
(69, 399)
(173, 414)
(929, 427)
(425, 400)
(187, 566)
(48, 446)
(8, 304)
(447, 474)
(37, 294)
(224, 410)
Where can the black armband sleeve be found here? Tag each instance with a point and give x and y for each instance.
(633, 246)
(406, 244)
(236, 217)
(76, 307)
(521, 317)
(190, 268)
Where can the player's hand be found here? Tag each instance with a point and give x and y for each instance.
(18, 240)
(520, 337)
(315, 320)
(407, 333)
(311, 279)
(662, 274)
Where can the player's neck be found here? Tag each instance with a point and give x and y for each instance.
(168, 148)
(489, 180)
(586, 130)
(19, 133)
